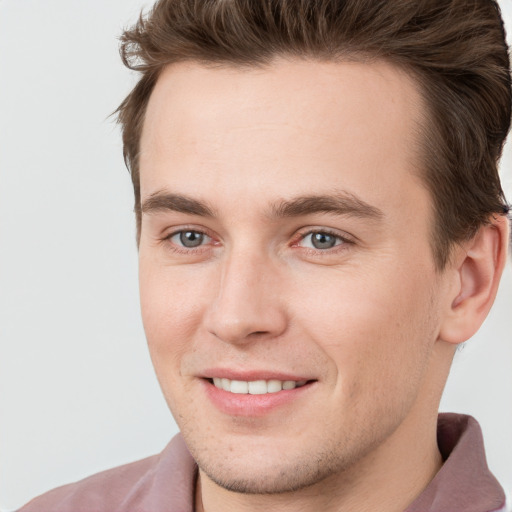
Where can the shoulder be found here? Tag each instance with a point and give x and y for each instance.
(102, 491)
(143, 486)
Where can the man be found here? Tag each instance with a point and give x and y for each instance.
(320, 225)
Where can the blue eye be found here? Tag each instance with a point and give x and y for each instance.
(321, 240)
(189, 239)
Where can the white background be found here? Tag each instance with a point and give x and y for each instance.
(77, 391)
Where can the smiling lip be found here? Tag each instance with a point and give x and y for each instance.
(256, 399)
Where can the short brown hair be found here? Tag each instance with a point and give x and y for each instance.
(455, 49)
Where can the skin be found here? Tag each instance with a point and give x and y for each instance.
(370, 322)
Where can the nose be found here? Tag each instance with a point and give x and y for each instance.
(247, 303)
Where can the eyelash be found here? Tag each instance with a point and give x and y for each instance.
(167, 240)
(341, 241)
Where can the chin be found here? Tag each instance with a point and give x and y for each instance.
(288, 477)
(272, 468)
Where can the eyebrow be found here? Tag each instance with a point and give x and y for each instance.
(341, 203)
(164, 201)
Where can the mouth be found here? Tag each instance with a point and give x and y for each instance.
(255, 387)
(257, 395)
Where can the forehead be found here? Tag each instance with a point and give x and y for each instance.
(294, 124)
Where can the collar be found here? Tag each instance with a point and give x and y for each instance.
(464, 482)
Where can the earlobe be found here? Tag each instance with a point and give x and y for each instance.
(478, 274)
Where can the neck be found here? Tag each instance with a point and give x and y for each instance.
(388, 480)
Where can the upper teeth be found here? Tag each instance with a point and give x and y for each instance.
(256, 387)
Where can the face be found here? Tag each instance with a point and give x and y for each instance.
(289, 294)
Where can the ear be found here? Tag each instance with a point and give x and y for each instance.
(478, 265)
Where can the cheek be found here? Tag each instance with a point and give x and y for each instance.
(171, 305)
(171, 313)
(376, 330)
